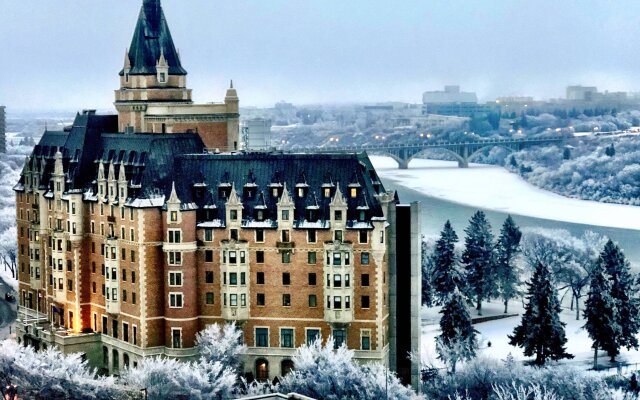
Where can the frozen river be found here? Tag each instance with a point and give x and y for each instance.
(448, 192)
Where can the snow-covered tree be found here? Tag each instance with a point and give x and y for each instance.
(49, 374)
(221, 343)
(165, 378)
(624, 293)
(445, 277)
(507, 248)
(457, 341)
(427, 272)
(601, 314)
(479, 259)
(541, 332)
(324, 373)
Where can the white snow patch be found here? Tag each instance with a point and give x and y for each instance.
(495, 188)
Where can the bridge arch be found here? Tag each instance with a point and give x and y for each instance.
(402, 163)
(461, 161)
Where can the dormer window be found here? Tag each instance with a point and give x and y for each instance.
(353, 192)
(174, 216)
(162, 77)
(233, 215)
(260, 215)
(312, 215)
(274, 192)
(285, 215)
(362, 216)
(126, 77)
(249, 192)
(337, 215)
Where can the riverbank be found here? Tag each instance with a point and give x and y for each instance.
(494, 188)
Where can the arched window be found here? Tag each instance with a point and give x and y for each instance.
(286, 366)
(262, 369)
(115, 360)
(125, 360)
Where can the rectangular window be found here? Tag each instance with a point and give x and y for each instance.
(208, 235)
(337, 280)
(124, 275)
(312, 335)
(176, 338)
(260, 299)
(125, 332)
(124, 296)
(133, 276)
(338, 235)
(312, 279)
(233, 300)
(233, 278)
(260, 257)
(209, 298)
(347, 280)
(364, 258)
(243, 278)
(259, 235)
(105, 325)
(174, 216)
(175, 278)
(311, 236)
(262, 337)
(260, 278)
(365, 340)
(175, 300)
(337, 215)
(286, 300)
(313, 300)
(311, 257)
(364, 280)
(339, 337)
(286, 236)
(286, 257)
(208, 256)
(285, 215)
(175, 258)
(233, 215)
(114, 328)
(233, 234)
(337, 302)
(175, 236)
(133, 256)
(286, 338)
(286, 278)
(243, 300)
(243, 257)
(365, 302)
(133, 298)
(208, 277)
(337, 259)
(233, 257)
(363, 236)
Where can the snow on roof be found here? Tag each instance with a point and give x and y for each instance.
(216, 223)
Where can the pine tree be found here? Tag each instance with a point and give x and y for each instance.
(541, 332)
(479, 259)
(445, 275)
(457, 342)
(427, 272)
(507, 248)
(601, 314)
(624, 294)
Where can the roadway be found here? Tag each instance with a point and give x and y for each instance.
(8, 311)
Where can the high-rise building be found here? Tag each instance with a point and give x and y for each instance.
(257, 134)
(3, 130)
(133, 235)
(452, 102)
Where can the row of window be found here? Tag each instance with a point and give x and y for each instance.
(129, 336)
(112, 232)
(113, 294)
(176, 300)
(287, 337)
(110, 252)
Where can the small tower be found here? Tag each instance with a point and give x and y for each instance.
(232, 102)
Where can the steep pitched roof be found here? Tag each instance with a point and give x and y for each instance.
(151, 39)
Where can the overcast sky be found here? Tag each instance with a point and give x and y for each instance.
(66, 54)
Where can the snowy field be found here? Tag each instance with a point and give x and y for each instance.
(578, 342)
(494, 188)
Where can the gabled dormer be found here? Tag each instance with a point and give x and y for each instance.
(234, 209)
(338, 214)
(302, 188)
(111, 183)
(174, 215)
(312, 209)
(102, 182)
(276, 186)
(328, 187)
(58, 175)
(260, 210)
(162, 70)
(122, 183)
(286, 208)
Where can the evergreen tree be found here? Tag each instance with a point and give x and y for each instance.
(601, 314)
(507, 248)
(524, 122)
(445, 275)
(566, 154)
(427, 273)
(624, 294)
(457, 342)
(541, 332)
(479, 259)
(513, 161)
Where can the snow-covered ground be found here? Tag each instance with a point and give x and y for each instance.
(494, 188)
(578, 341)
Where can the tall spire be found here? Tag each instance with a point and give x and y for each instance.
(151, 39)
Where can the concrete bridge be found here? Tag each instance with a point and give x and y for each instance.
(403, 153)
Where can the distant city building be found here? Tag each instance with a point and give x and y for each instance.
(452, 101)
(581, 93)
(3, 130)
(515, 104)
(257, 133)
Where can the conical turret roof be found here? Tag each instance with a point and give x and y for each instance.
(151, 40)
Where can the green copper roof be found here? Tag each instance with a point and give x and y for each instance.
(151, 39)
